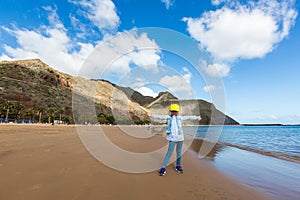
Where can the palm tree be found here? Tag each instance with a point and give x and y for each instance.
(8, 105)
(18, 111)
(50, 113)
(60, 111)
(41, 110)
(2, 112)
(30, 112)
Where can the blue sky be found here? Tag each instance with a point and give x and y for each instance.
(253, 48)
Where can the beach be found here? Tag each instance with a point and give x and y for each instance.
(50, 162)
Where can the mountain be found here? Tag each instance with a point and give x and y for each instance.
(134, 95)
(40, 92)
(210, 115)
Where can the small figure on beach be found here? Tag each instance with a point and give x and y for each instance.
(174, 134)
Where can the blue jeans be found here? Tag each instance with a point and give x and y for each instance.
(170, 151)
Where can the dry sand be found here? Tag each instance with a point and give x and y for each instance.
(50, 162)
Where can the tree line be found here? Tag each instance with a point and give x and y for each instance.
(18, 113)
(12, 111)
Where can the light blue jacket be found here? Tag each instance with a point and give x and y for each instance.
(171, 136)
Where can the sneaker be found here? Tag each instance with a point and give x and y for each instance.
(162, 171)
(179, 169)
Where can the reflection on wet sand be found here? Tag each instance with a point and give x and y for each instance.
(217, 148)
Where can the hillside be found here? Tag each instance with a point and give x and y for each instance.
(37, 86)
(32, 89)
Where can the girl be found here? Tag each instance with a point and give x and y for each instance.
(174, 136)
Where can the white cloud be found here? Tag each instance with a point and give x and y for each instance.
(102, 13)
(217, 70)
(81, 30)
(125, 49)
(179, 84)
(217, 2)
(238, 31)
(5, 57)
(168, 3)
(273, 117)
(51, 44)
(209, 88)
(227, 2)
(188, 75)
(146, 91)
(139, 82)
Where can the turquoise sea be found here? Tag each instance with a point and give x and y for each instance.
(264, 157)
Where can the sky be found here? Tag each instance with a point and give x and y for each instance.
(243, 56)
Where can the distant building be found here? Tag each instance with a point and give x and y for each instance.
(58, 122)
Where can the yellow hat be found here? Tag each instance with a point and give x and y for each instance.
(174, 107)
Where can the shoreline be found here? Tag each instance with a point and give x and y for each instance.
(47, 162)
(281, 156)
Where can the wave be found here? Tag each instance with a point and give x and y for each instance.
(278, 155)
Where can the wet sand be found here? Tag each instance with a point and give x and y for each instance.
(277, 177)
(50, 162)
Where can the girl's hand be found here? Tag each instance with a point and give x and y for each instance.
(199, 118)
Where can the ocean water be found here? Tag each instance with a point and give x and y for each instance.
(264, 157)
(277, 141)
